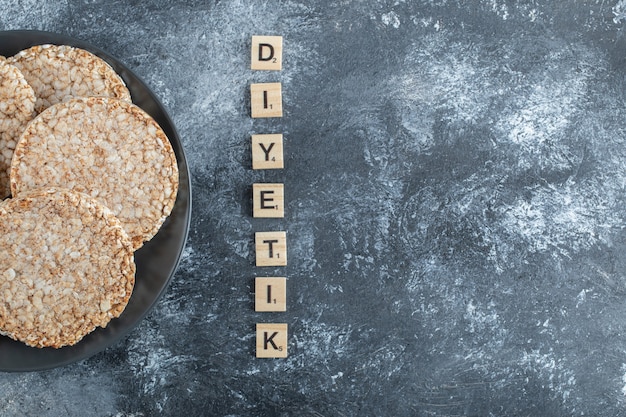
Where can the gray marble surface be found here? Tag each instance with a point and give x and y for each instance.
(455, 187)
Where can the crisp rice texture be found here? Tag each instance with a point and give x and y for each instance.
(17, 108)
(60, 72)
(66, 267)
(107, 148)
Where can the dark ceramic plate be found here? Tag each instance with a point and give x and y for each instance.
(156, 261)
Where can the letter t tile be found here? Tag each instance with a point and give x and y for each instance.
(271, 248)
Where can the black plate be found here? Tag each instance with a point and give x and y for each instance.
(156, 261)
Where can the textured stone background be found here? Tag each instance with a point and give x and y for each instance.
(455, 191)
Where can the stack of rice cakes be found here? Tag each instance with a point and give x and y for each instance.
(92, 177)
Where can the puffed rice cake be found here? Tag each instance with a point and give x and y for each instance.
(66, 267)
(59, 72)
(107, 148)
(17, 108)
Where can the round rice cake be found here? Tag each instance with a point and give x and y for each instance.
(17, 108)
(66, 267)
(60, 72)
(107, 148)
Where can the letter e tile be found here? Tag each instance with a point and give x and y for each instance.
(268, 200)
(271, 340)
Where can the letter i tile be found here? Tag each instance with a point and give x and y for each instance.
(270, 294)
(266, 100)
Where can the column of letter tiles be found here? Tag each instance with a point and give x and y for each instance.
(268, 198)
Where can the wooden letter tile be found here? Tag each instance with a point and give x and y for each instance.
(268, 200)
(267, 53)
(266, 100)
(271, 340)
(270, 294)
(270, 248)
(267, 151)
